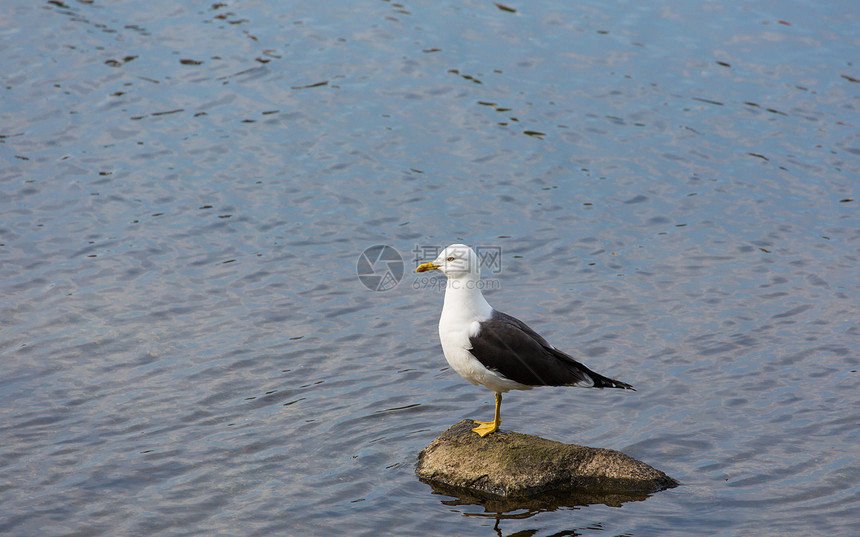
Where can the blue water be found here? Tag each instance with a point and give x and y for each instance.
(186, 347)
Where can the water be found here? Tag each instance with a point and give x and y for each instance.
(185, 191)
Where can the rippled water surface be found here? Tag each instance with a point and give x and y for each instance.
(186, 189)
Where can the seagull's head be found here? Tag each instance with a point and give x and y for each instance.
(455, 261)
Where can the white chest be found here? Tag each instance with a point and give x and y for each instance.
(456, 347)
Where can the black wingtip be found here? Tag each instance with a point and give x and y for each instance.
(612, 383)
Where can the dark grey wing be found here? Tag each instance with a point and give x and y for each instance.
(508, 346)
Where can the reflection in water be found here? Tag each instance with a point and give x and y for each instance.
(502, 509)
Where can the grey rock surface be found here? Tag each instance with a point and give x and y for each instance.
(508, 464)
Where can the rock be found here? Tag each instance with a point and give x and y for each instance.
(515, 465)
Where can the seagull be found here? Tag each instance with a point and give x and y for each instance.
(493, 349)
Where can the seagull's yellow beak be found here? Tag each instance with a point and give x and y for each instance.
(424, 267)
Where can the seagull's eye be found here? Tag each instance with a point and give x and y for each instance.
(452, 258)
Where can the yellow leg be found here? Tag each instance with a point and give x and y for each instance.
(486, 427)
